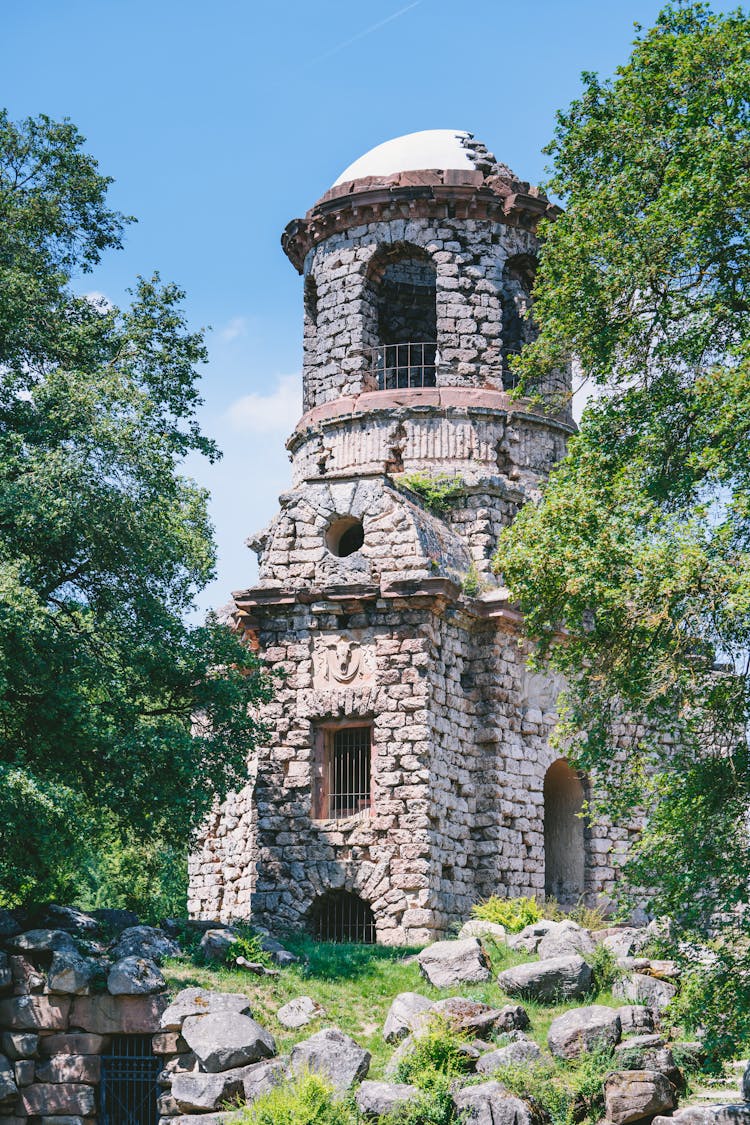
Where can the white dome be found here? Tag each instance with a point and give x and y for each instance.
(431, 148)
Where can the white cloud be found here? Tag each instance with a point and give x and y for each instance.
(279, 410)
(235, 327)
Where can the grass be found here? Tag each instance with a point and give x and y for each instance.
(356, 985)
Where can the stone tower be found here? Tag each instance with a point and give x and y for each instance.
(408, 772)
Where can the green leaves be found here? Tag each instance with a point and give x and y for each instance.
(103, 543)
(633, 572)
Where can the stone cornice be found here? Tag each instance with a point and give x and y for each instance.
(429, 193)
(459, 400)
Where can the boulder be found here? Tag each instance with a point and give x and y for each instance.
(215, 944)
(478, 928)
(223, 1040)
(738, 1114)
(8, 1088)
(491, 1104)
(334, 1055)
(448, 963)
(559, 978)
(401, 1014)
(199, 1092)
(71, 974)
(564, 939)
(135, 976)
(9, 926)
(630, 1095)
(512, 1017)
(583, 1029)
(145, 941)
(625, 942)
(527, 940)
(42, 941)
(202, 1002)
(635, 1055)
(642, 989)
(69, 918)
(263, 1076)
(377, 1099)
(463, 1015)
(636, 1019)
(521, 1051)
(115, 921)
(299, 1012)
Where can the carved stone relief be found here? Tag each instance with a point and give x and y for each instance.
(342, 661)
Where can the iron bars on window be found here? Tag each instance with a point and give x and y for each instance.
(397, 366)
(346, 774)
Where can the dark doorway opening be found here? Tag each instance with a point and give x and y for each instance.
(128, 1092)
(344, 917)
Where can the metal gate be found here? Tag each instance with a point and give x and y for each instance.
(128, 1090)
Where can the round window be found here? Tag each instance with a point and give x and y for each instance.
(345, 536)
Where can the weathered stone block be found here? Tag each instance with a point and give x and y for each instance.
(118, 1015)
(53, 1100)
(70, 1068)
(34, 1013)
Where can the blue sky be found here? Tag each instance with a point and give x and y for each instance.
(221, 121)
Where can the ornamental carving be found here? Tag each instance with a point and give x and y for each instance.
(342, 661)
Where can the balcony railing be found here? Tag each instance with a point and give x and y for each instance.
(397, 366)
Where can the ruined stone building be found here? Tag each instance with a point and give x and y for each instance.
(408, 772)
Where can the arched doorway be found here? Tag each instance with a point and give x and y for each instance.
(564, 849)
(344, 917)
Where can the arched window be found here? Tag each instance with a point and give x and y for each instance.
(564, 851)
(403, 282)
(344, 917)
(518, 282)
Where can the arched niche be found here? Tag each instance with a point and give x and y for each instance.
(564, 841)
(517, 284)
(402, 283)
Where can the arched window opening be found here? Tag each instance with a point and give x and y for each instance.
(341, 916)
(345, 537)
(404, 284)
(564, 850)
(310, 298)
(518, 328)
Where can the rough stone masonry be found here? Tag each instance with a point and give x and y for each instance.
(408, 773)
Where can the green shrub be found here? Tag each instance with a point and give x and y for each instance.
(432, 1107)
(566, 1093)
(604, 970)
(437, 491)
(308, 1100)
(471, 584)
(714, 1004)
(126, 873)
(513, 913)
(248, 945)
(437, 1055)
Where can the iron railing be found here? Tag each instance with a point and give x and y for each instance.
(128, 1092)
(397, 366)
(348, 773)
(343, 917)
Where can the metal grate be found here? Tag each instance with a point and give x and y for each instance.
(347, 773)
(397, 366)
(343, 917)
(128, 1092)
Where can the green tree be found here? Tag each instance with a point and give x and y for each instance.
(633, 572)
(116, 716)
